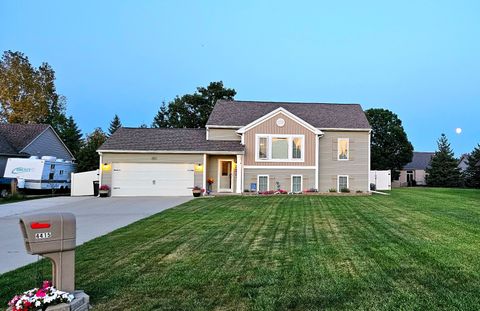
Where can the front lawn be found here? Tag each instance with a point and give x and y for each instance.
(416, 249)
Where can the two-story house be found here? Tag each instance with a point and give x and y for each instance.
(246, 145)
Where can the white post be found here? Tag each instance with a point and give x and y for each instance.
(204, 177)
(316, 162)
(369, 158)
(239, 173)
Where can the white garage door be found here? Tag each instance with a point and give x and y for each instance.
(152, 179)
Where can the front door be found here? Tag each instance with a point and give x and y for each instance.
(225, 170)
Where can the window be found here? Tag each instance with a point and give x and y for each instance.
(297, 148)
(279, 148)
(52, 166)
(262, 183)
(343, 149)
(342, 182)
(262, 148)
(226, 168)
(297, 183)
(51, 176)
(61, 172)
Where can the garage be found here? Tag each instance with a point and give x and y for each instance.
(152, 179)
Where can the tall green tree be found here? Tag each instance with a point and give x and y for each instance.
(115, 124)
(443, 170)
(88, 158)
(192, 110)
(472, 173)
(28, 94)
(71, 135)
(390, 147)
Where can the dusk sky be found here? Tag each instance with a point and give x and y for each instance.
(420, 59)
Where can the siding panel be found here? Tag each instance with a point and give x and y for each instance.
(223, 134)
(48, 144)
(270, 127)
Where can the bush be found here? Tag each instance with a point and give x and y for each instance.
(345, 190)
(359, 191)
(332, 190)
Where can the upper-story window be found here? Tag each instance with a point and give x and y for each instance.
(343, 149)
(279, 148)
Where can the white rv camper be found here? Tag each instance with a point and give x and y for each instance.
(40, 174)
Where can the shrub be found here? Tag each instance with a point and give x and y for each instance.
(332, 190)
(311, 190)
(359, 191)
(104, 187)
(345, 190)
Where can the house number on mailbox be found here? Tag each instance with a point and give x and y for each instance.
(43, 235)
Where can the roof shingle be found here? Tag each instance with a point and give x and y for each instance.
(15, 137)
(420, 161)
(319, 115)
(166, 139)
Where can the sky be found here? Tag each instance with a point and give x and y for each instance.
(419, 59)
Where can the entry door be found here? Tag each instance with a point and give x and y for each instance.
(225, 170)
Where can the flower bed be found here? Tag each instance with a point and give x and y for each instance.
(39, 298)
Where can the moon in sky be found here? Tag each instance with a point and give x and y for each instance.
(458, 130)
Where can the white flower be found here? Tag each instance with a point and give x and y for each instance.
(38, 303)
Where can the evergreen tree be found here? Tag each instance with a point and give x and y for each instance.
(88, 158)
(472, 173)
(192, 110)
(443, 170)
(71, 135)
(114, 125)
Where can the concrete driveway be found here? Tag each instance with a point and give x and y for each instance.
(95, 217)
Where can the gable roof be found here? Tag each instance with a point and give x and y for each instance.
(15, 137)
(420, 161)
(166, 139)
(235, 113)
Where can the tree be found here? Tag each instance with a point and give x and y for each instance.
(28, 94)
(88, 158)
(143, 126)
(71, 135)
(192, 110)
(443, 170)
(114, 125)
(472, 173)
(390, 147)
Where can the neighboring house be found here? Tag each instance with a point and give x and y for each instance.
(463, 162)
(25, 140)
(247, 145)
(414, 172)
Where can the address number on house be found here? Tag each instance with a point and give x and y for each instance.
(43, 235)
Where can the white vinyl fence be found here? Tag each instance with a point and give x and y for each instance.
(382, 179)
(82, 183)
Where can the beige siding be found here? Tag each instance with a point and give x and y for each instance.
(418, 176)
(212, 170)
(356, 167)
(223, 134)
(283, 176)
(151, 158)
(270, 127)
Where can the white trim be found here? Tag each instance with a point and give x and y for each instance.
(276, 167)
(342, 129)
(269, 137)
(223, 126)
(239, 174)
(58, 137)
(206, 133)
(100, 169)
(204, 173)
(258, 182)
(171, 151)
(273, 114)
(316, 161)
(369, 159)
(338, 148)
(219, 172)
(338, 182)
(291, 182)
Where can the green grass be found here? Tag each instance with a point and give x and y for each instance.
(417, 249)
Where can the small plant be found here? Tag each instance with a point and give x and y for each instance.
(373, 187)
(332, 190)
(345, 190)
(104, 188)
(359, 191)
(269, 192)
(197, 191)
(311, 190)
(39, 298)
(281, 191)
(246, 190)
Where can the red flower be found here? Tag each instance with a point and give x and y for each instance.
(46, 284)
(40, 293)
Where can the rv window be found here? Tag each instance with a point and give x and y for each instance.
(61, 172)
(52, 166)
(50, 176)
